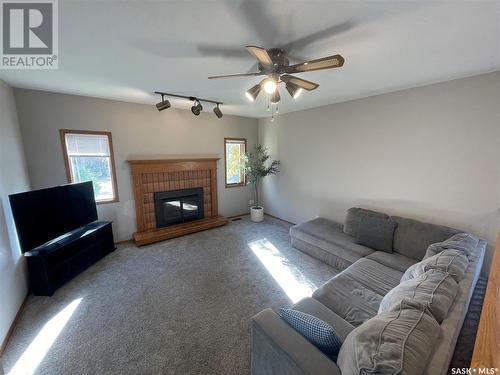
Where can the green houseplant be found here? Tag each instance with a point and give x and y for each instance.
(258, 164)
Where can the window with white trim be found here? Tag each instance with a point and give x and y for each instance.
(89, 157)
(234, 152)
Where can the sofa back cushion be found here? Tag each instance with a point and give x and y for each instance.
(399, 341)
(354, 215)
(455, 262)
(413, 237)
(376, 233)
(464, 242)
(434, 289)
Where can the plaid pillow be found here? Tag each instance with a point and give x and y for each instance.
(319, 333)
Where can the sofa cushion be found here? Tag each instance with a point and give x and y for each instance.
(435, 289)
(353, 217)
(324, 256)
(395, 342)
(315, 308)
(413, 237)
(454, 262)
(450, 327)
(316, 331)
(393, 260)
(376, 233)
(356, 293)
(328, 235)
(349, 299)
(374, 276)
(464, 242)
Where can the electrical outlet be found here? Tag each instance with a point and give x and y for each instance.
(251, 201)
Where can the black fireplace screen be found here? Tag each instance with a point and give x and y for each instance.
(178, 206)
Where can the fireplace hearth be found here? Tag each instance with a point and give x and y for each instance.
(178, 206)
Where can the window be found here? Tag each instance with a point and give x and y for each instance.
(234, 154)
(88, 156)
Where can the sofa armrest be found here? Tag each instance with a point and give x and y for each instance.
(278, 349)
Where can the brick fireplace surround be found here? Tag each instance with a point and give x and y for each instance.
(157, 175)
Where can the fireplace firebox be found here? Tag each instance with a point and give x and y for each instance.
(178, 206)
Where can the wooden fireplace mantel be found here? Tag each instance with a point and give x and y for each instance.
(156, 175)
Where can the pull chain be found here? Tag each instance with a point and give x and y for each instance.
(272, 107)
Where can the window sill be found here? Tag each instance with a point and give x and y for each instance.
(235, 185)
(114, 200)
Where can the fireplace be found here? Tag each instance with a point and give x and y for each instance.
(161, 213)
(178, 206)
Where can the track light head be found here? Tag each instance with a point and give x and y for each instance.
(217, 111)
(196, 108)
(293, 89)
(275, 97)
(253, 92)
(164, 104)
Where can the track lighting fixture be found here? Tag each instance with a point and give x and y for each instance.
(253, 92)
(197, 107)
(293, 89)
(164, 104)
(217, 111)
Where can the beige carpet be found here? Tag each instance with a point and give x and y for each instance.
(177, 307)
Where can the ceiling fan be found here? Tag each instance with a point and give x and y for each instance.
(274, 64)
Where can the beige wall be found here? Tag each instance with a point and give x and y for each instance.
(13, 179)
(139, 131)
(431, 153)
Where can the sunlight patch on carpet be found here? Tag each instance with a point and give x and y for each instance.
(293, 282)
(39, 347)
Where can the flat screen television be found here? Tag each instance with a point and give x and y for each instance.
(42, 215)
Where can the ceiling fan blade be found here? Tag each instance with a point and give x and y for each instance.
(237, 75)
(335, 61)
(222, 51)
(260, 54)
(305, 84)
(258, 17)
(327, 33)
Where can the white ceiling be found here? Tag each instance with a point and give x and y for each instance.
(126, 50)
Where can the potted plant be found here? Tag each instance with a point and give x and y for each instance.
(258, 166)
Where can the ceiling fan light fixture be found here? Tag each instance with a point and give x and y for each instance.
(270, 86)
(217, 111)
(253, 92)
(294, 90)
(275, 97)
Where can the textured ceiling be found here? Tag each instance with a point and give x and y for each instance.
(126, 50)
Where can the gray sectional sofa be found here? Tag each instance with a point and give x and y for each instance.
(351, 301)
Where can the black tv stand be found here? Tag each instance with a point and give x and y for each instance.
(56, 262)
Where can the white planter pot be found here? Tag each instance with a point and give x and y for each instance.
(257, 214)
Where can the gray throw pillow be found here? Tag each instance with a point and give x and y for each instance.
(376, 233)
(354, 215)
(434, 289)
(455, 262)
(399, 341)
(464, 242)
